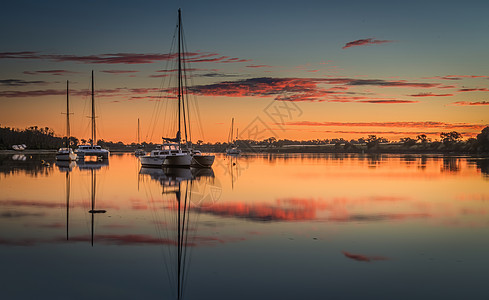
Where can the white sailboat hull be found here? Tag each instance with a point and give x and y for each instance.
(178, 160)
(66, 156)
(202, 161)
(152, 161)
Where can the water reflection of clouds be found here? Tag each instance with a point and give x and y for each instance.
(343, 209)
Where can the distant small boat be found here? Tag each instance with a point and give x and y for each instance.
(66, 153)
(93, 149)
(232, 148)
(19, 147)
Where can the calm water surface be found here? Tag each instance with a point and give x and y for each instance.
(253, 227)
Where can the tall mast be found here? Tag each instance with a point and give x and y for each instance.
(67, 115)
(179, 71)
(138, 131)
(232, 131)
(93, 114)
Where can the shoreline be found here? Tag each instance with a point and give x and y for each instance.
(277, 151)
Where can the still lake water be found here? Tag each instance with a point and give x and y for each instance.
(254, 227)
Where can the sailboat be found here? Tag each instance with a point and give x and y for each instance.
(233, 148)
(139, 151)
(171, 152)
(66, 153)
(93, 149)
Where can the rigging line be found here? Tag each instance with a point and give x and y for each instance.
(195, 102)
(156, 109)
(85, 98)
(167, 89)
(185, 94)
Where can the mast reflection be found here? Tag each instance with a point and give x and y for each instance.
(176, 223)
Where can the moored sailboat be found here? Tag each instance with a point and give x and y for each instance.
(139, 151)
(232, 148)
(66, 153)
(93, 149)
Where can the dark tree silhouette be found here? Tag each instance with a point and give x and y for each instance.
(483, 139)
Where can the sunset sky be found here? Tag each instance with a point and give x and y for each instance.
(287, 69)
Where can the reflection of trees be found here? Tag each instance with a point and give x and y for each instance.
(408, 159)
(30, 165)
(483, 165)
(422, 162)
(374, 160)
(451, 164)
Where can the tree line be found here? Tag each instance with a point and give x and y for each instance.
(44, 138)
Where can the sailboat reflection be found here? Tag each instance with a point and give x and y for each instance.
(176, 224)
(180, 228)
(235, 168)
(65, 165)
(93, 211)
(168, 175)
(92, 164)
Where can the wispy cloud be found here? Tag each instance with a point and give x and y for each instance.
(302, 89)
(391, 83)
(19, 82)
(52, 72)
(467, 103)
(125, 92)
(430, 95)
(36, 93)
(425, 124)
(119, 71)
(364, 42)
(123, 58)
(393, 101)
(362, 257)
(474, 90)
(456, 77)
(259, 66)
